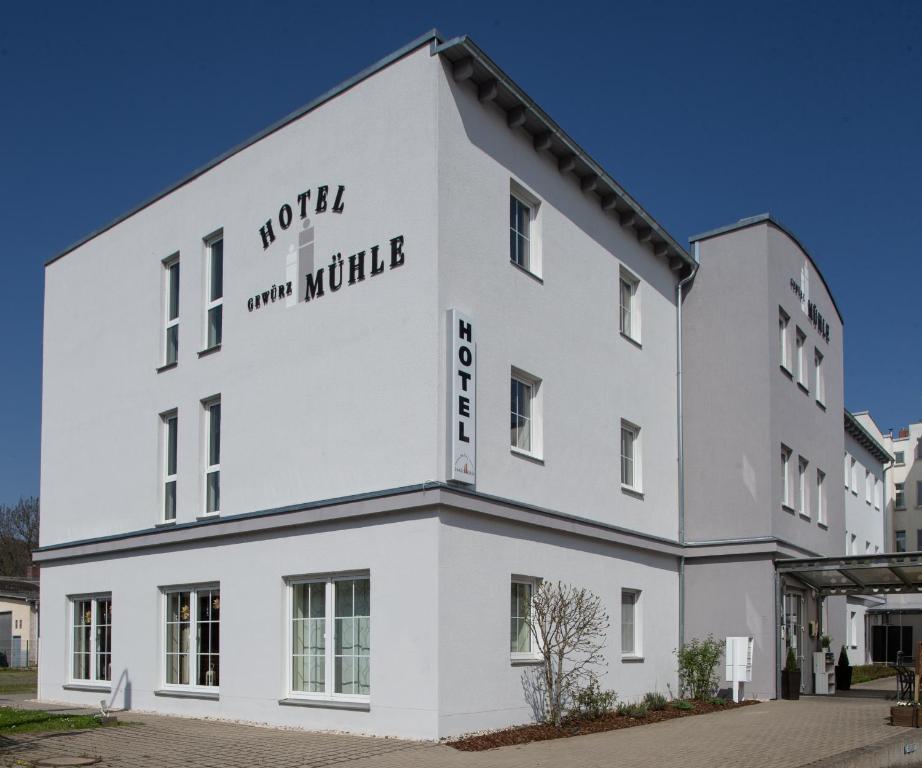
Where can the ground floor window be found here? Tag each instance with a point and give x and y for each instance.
(192, 636)
(522, 643)
(330, 636)
(91, 638)
(630, 624)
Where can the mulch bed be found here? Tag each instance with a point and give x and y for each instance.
(524, 734)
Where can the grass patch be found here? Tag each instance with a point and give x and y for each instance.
(18, 680)
(864, 673)
(24, 720)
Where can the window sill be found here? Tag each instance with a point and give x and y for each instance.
(854, 493)
(527, 271)
(635, 342)
(788, 508)
(821, 524)
(88, 686)
(208, 516)
(167, 367)
(297, 701)
(899, 509)
(631, 659)
(785, 371)
(821, 404)
(164, 523)
(525, 661)
(191, 693)
(209, 350)
(629, 491)
(804, 516)
(803, 387)
(526, 455)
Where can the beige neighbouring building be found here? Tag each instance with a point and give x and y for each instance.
(18, 622)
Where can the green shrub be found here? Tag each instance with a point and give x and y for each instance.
(843, 658)
(654, 700)
(698, 661)
(632, 710)
(592, 702)
(717, 701)
(681, 704)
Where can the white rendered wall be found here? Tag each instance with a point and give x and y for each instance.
(863, 520)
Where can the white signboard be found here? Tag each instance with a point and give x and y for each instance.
(461, 408)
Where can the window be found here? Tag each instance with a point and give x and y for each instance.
(214, 298)
(899, 500)
(519, 232)
(338, 609)
(867, 486)
(525, 423)
(783, 322)
(170, 425)
(877, 493)
(919, 493)
(899, 458)
(820, 379)
(845, 469)
(900, 541)
(191, 646)
(801, 354)
(629, 305)
(919, 448)
(91, 625)
(522, 643)
(171, 310)
(853, 629)
(853, 466)
(631, 476)
(803, 496)
(820, 497)
(212, 456)
(919, 540)
(786, 477)
(853, 545)
(630, 624)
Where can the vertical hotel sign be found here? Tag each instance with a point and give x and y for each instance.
(461, 409)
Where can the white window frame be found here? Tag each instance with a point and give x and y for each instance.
(853, 467)
(636, 459)
(899, 458)
(194, 628)
(636, 654)
(534, 652)
(845, 470)
(631, 330)
(167, 477)
(867, 486)
(329, 580)
(535, 425)
(877, 492)
(819, 376)
(533, 264)
(899, 491)
(800, 352)
(803, 492)
(94, 679)
(853, 629)
(213, 304)
(210, 468)
(786, 485)
(784, 322)
(170, 322)
(820, 497)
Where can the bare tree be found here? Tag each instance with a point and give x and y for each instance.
(569, 625)
(18, 535)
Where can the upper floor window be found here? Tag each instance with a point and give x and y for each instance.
(899, 458)
(877, 493)
(171, 310)
(800, 353)
(525, 412)
(803, 494)
(899, 496)
(786, 490)
(820, 497)
(919, 448)
(214, 298)
(629, 306)
(524, 229)
(919, 493)
(631, 476)
(900, 541)
(192, 647)
(91, 645)
(846, 468)
(819, 377)
(170, 427)
(212, 455)
(853, 467)
(867, 486)
(783, 322)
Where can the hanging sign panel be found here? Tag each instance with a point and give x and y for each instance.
(462, 403)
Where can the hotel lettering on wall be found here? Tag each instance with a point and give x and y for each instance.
(462, 404)
(813, 313)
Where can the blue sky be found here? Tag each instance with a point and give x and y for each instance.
(705, 112)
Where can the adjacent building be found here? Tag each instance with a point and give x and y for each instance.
(904, 489)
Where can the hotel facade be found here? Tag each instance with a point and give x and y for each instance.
(360, 384)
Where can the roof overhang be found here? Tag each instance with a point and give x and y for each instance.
(471, 65)
(865, 439)
(876, 575)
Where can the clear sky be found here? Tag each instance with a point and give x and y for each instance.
(705, 112)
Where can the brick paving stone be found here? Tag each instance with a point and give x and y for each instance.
(777, 734)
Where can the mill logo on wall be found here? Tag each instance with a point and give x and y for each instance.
(304, 281)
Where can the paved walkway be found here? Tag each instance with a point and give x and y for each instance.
(777, 734)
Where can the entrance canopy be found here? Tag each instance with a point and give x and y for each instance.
(882, 574)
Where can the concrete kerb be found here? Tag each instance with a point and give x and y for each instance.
(902, 748)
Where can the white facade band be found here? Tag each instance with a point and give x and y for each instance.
(462, 405)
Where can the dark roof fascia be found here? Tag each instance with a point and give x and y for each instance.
(865, 438)
(429, 37)
(469, 47)
(767, 218)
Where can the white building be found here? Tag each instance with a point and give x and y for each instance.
(278, 478)
(904, 489)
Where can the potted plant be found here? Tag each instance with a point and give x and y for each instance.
(843, 671)
(825, 642)
(790, 677)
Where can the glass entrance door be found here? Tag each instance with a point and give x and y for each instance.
(794, 631)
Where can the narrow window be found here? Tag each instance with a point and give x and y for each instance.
(170, 423)
(630, 456)
(630, 624)
(919, 448)
(819, 377)
(91, 632)
(519, 232)
(629, 305)
(171, 311)
(853, 629)
(783, 322)
(213, 456)
(867, 486)
(214, 281)
(845, 469)
(876, 493)
(191, 648)
(525, 413)
(853, 545)
(520, 637)
(919, 540)
(786, 477)
(803, 501)
(919, 493)
(899, 498)
(820, 497)
(900, 541)
(853, 465)
(338, 609)
(801, 354)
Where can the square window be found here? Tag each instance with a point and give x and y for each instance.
(91, 638)
(899, 458)
(192, 636)
(631, 476)
(631, 624)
